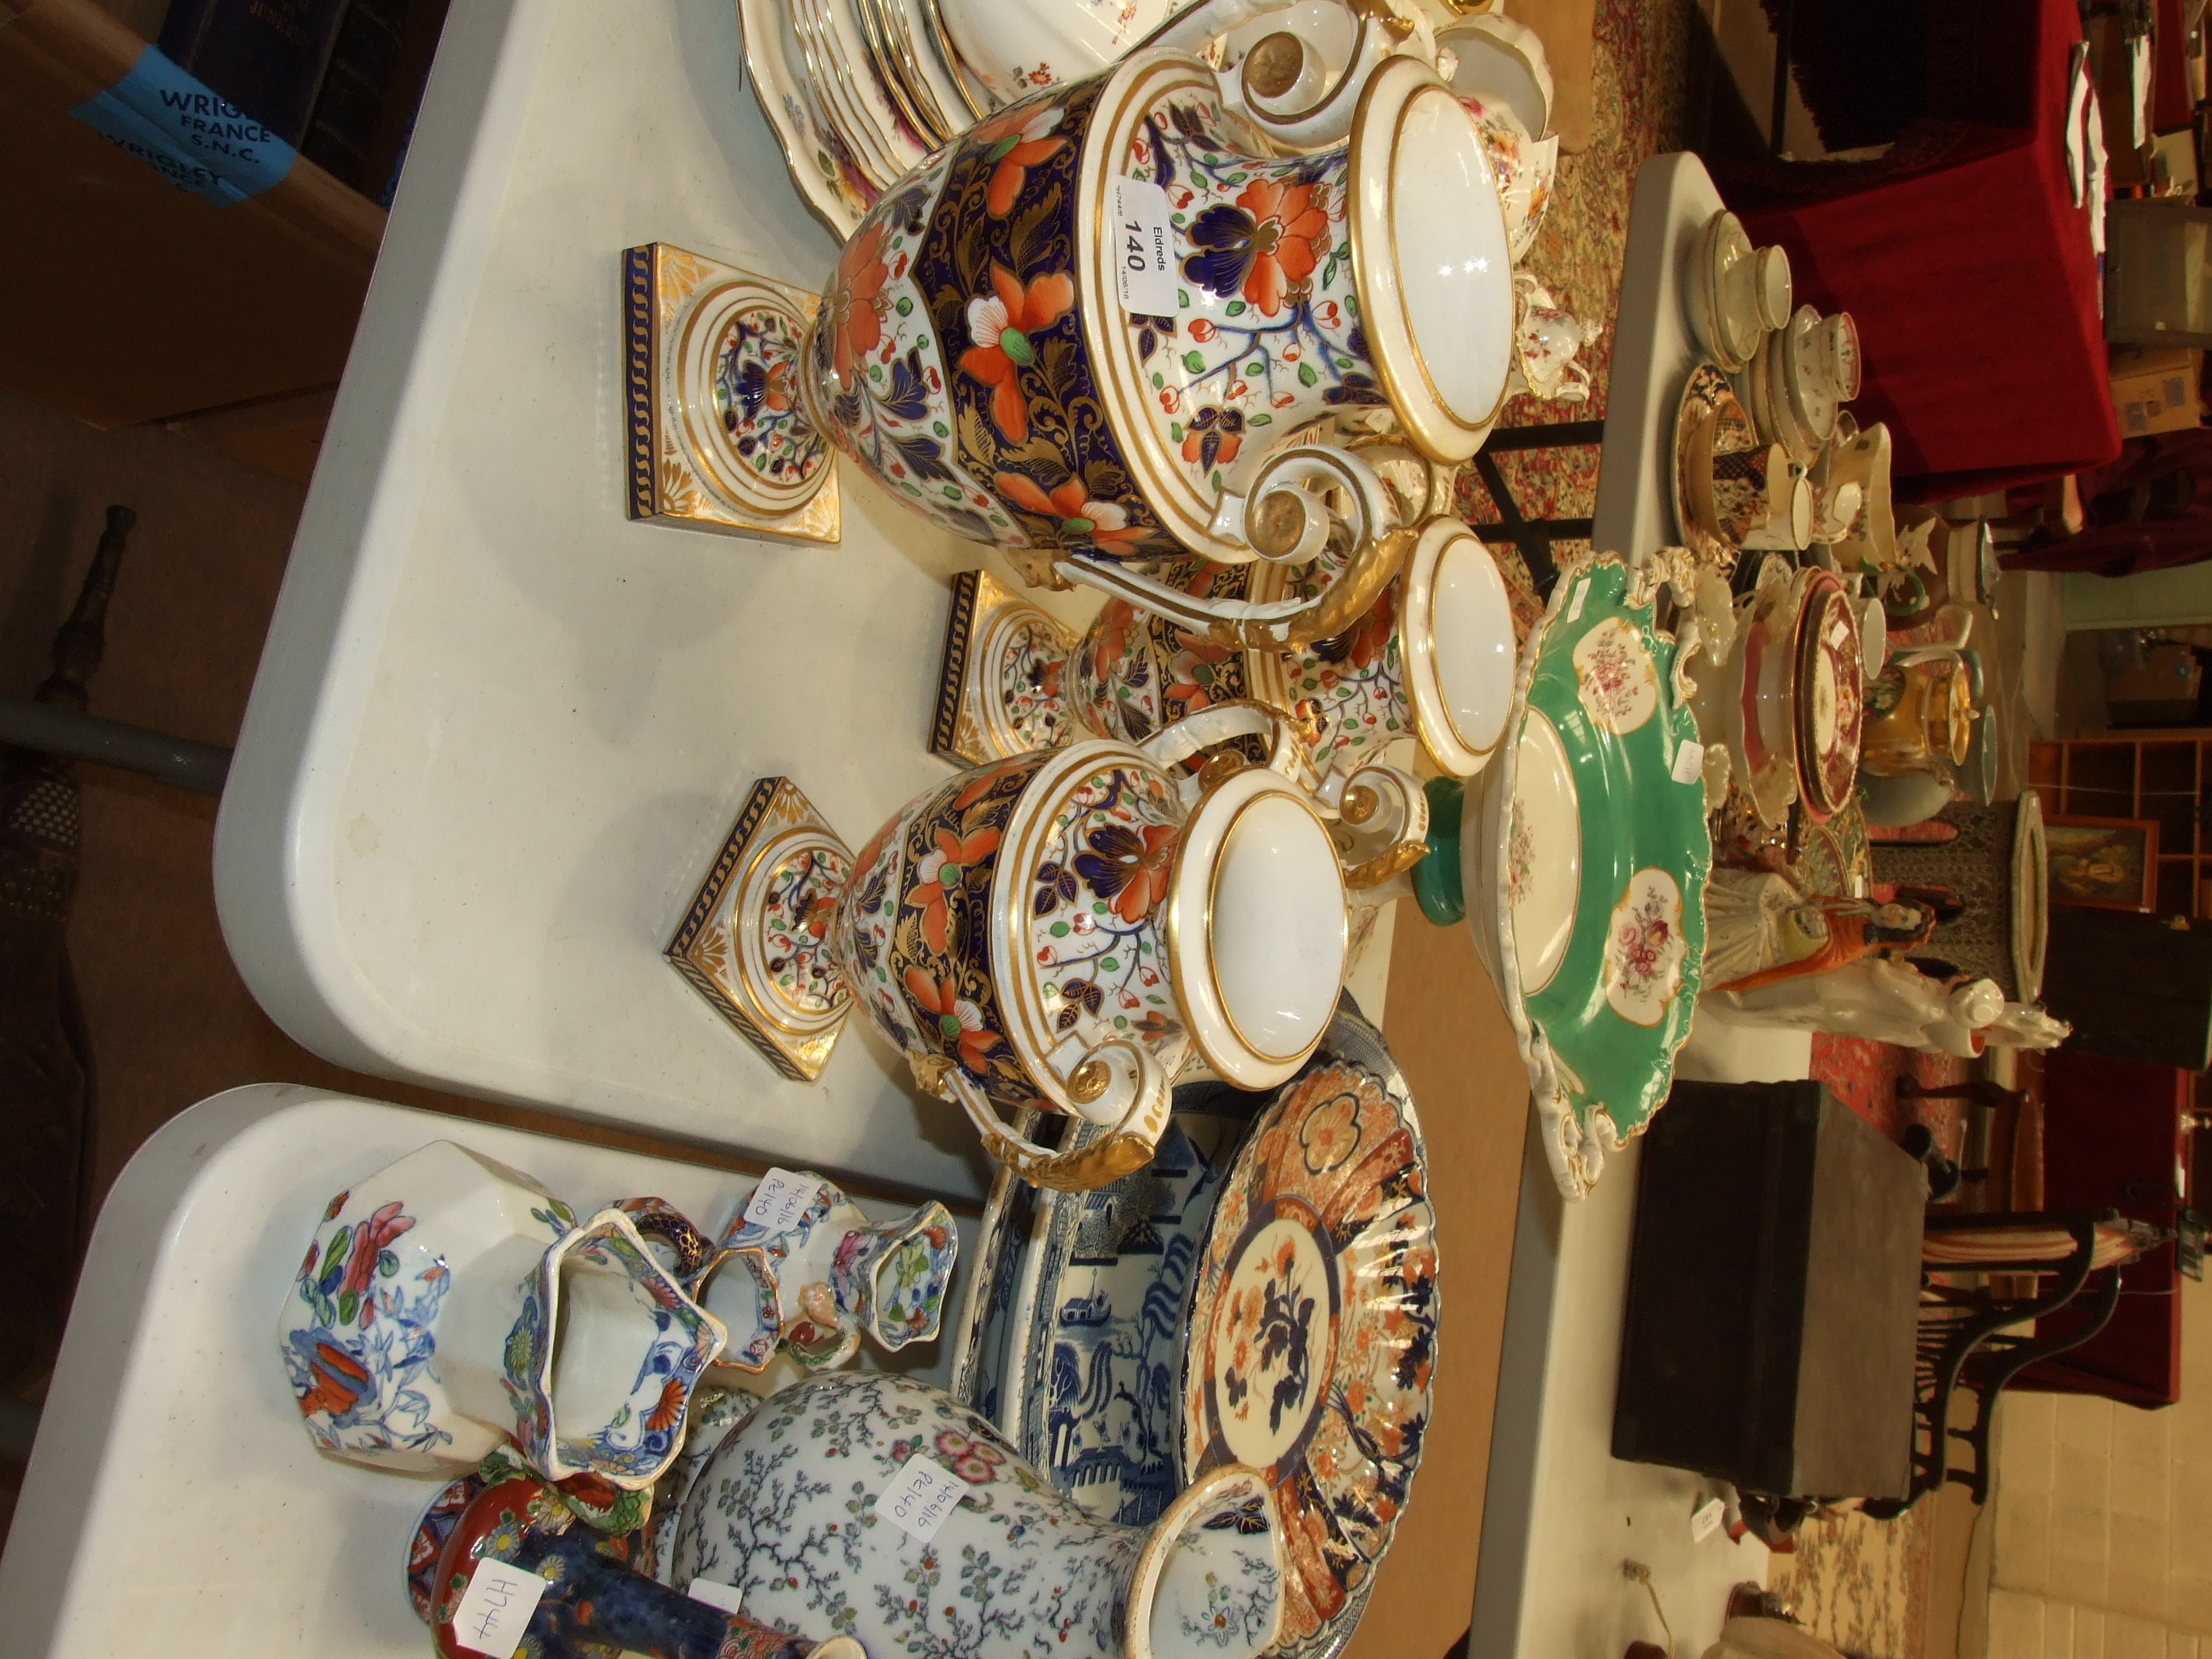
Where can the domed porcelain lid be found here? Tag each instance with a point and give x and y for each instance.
(1433, 258)
(1460, 657)
(1256, 932)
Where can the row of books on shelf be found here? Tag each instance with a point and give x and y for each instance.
(338, 80)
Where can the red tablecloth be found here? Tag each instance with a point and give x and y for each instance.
(1968, 268)
(2109, 1125)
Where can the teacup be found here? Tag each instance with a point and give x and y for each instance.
(1525, 166)
(1060, 931)
(1771, 292)
(1836, 510)
(1865, 461)
(1790, 530)
(1836, 355)
(1545, 342)
(1919, 717)
(1499, 60)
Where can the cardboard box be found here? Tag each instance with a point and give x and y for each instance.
(2156, 389)
(2162, 692)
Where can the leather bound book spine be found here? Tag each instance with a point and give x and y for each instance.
(348, 111)
(267, 56)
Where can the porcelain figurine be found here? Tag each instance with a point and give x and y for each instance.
(1882, 999)
(596, 1603)
(449, 1302)
(1544, 345)
(815, 1288)
(1432, 658)
(974, 353)
(789, 1511)
(1060, 930)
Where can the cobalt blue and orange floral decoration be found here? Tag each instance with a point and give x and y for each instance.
(422, 1328)
(1432, 659)
(1058, 931)
(985, 351)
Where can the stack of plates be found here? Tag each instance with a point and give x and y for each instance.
(859, 92)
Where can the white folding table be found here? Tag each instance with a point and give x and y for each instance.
(499, 730)
(174, 1502)
(1560, 1513)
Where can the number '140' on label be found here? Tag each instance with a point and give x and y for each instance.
(1144, 247)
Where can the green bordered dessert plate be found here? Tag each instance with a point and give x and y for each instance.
(1584, 853)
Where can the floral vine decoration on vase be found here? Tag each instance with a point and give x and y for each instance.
(1064, 929)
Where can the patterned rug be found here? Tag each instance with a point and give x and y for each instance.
(1640, 68)
(1860, 1584)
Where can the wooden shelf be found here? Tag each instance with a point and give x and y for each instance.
(2157, 773)
(129, 300)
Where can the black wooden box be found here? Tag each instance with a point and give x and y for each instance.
(1773, 1292)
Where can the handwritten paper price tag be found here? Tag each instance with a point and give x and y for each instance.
(725, 1598)
(494, 1612)
(921, 1498)
(1144, 247)
(1689, 762)
(1582, 595)
(1707, 1520)
(780, 1200)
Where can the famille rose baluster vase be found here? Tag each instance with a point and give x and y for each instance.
(448, 1303)
(1061, 931)
(785, 1510)
(1432, 658)
(978, 353)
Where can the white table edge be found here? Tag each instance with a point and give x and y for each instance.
(276, 810)
(120, 1264)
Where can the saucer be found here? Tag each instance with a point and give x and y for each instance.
(1729, 340)
(828, 174)
(1583, 855)
(1830, 691)
(1089, 1335)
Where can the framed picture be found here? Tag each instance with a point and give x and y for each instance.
(2109, 862)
